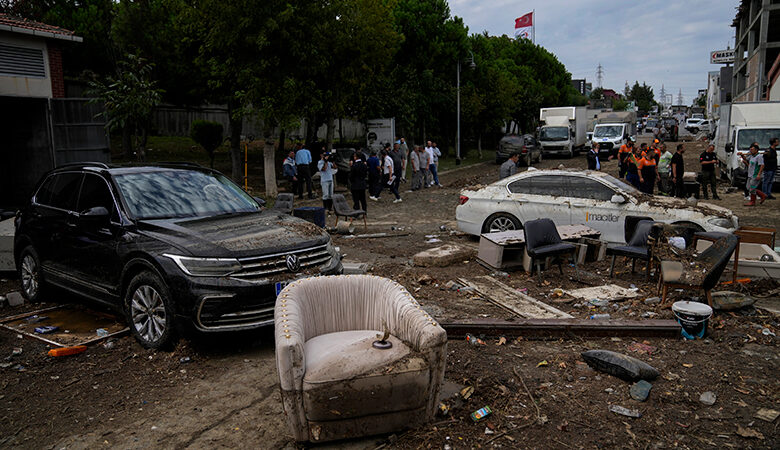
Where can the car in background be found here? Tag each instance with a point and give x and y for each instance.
(172, 247)
(573, 196)
(526, 145)
(694, 125)
(652, 123)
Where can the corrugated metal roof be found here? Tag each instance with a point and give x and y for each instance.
(25, 26)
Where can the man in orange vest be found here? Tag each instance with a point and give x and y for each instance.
(647, 173)
(625, 150)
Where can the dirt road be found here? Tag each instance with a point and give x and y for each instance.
(223, 392)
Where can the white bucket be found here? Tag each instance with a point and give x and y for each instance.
(693, 317)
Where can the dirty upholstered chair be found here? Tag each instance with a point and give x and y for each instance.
(335, 382)
(705, 271)
(636, 248)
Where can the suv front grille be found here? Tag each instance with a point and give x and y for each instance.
(227, 312)
(265, 266)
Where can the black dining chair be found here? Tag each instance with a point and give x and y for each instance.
(542, 241)
(637, 248)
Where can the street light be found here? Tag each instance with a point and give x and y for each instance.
(472, 65)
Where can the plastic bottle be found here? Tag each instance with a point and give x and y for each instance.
(599, 316)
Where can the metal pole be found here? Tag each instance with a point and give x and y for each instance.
(457, 143)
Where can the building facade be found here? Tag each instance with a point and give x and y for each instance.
(757, 45)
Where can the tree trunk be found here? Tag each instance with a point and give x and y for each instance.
(311, 129)
(127, 142)
(235, 143)
(329, 136)
(341, 132)
(479, 145)
(269, 169)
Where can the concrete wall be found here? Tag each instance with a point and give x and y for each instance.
(21, 86)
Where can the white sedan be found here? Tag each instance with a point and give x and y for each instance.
(572, 196)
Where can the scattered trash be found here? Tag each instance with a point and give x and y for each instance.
(693, 317)
(46, 330)
(489, 431)
(102, 332)
(652, 300)
(677, 241)
(625, 411)
(425, 279)
(599, 316)
(558, 292)
(473, 340)
(708, 398)
(68, 351)
(648, 315)
(36, 319)
(109, 344)
(499, 274)
(607, 291)
(14, 299)
(481, 413)
(767, 415)
(767, 332)
(598, 302)
(543, 364)
(641, 347)
(466, 392)
(730, 300)
(640, 390)
(444, 409)
(16, 351)
(501, 341)
(749, 433)
(622, 366)
(432, 241)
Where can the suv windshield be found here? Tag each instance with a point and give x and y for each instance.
(625, 187)
(608, 131)
(554, 134)
(173, 193)
(760, 135)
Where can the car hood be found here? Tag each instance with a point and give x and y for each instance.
(236, 236)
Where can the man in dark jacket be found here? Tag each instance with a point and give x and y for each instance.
(593, 157)
(357, 181)
(770, 167)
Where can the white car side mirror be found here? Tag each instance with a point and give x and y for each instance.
(617, 199)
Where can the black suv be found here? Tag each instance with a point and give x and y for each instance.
(173, 247)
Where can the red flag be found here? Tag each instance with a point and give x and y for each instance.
(525, 21)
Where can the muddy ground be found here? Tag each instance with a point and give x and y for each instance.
(223, 391)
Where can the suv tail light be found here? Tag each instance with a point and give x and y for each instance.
(463, 199)
(525, 150)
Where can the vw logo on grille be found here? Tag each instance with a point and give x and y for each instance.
(293, 263)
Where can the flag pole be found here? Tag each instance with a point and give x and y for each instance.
(533, 17)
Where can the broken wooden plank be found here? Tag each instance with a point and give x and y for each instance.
(510, 299)
(556, 328)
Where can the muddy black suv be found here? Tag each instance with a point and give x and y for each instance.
(173, 247)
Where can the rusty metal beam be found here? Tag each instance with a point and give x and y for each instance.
(557, 328)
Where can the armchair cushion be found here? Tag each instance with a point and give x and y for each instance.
(552, 249)
(344, 372)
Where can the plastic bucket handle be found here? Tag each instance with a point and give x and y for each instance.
(690, 320)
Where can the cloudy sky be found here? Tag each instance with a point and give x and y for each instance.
(658, 42)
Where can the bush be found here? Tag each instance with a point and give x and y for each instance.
(208, 135)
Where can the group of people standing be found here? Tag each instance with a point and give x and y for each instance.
(372, 172)
(761, 170)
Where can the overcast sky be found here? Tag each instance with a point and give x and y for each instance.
(658, 42)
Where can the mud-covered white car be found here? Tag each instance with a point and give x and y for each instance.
(571, 196)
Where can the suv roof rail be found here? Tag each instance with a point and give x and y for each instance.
(179, 163)
(84, 164)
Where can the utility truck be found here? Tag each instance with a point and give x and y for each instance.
(614, 129)
(739, 125)
(563, 130)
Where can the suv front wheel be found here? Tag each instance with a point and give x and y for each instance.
(149, 311)
(30, 274)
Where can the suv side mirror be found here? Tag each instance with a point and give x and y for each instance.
(729, 147)
(95, 216)
(618, 199)
(260, 201)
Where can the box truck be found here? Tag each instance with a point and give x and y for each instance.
(563, 130)
(614, 129)
(739, 125)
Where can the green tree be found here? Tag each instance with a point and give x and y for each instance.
(642, 96)
(597, 94)
(208, 135)
(129, 99)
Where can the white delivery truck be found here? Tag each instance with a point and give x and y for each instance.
(614, 129)
(739, 125)
(563, 130)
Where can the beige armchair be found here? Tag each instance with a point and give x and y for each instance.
(335, 384)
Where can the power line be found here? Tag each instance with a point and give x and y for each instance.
(680, 98)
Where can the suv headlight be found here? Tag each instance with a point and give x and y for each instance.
(206, 267)
(720, 222)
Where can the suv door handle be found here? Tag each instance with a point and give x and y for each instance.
(577, 205)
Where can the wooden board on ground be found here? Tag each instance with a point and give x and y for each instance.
(562, 328)
(77, 325)
(605, 292)
(507, 298)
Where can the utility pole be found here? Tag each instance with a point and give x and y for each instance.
(600, 76)
(679, 97)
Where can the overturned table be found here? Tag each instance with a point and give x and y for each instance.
(506, 249)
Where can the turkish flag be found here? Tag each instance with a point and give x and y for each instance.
(525, 21)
